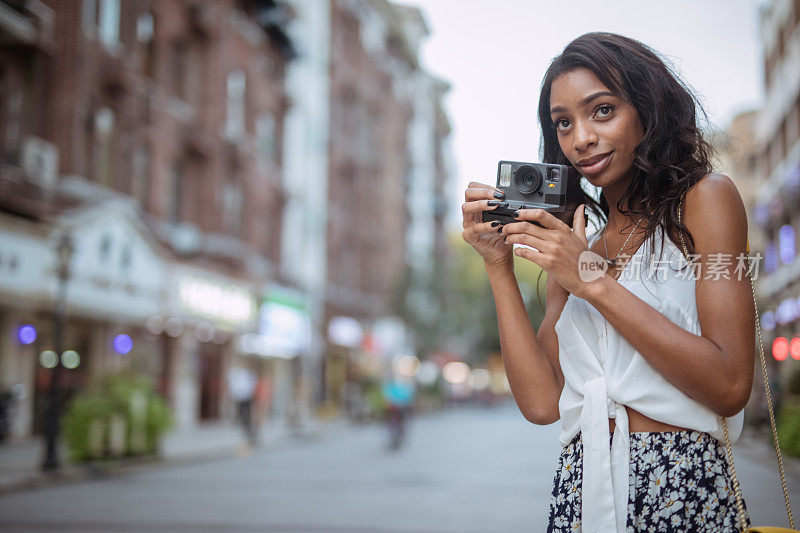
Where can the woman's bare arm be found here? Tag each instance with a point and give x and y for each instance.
(531, 361)
(714, 368)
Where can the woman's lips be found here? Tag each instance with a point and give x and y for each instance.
(597, 167)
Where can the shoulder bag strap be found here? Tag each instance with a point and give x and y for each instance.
(736, 487)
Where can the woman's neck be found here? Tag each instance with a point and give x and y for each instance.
(618, 221)
(613, 194)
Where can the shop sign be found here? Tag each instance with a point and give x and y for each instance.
(284, 326)
(219, 302)
(345, 331)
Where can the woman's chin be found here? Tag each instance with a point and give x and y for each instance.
(605, 179)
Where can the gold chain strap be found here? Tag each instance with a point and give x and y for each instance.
(736, 487)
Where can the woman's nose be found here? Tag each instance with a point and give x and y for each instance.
(584, 137)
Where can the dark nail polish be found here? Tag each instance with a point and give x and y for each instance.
(492, 203)
(499, 195)
(500, 229)
(516, 214)
(495, 223)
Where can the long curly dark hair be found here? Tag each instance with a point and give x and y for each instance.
(671, 157)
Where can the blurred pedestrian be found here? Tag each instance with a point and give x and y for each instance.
(262, 400)
(643, 396)
(399, 397)
(7, 404)
(242, 386)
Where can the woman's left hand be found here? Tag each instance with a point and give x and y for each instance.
(558, 247)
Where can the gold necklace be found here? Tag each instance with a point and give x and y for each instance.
(613, 262)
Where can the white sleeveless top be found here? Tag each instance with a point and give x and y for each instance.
(603, 373)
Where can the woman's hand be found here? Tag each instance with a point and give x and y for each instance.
(558, 247)
(483, 236)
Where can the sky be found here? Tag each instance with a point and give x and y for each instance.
(494, 54)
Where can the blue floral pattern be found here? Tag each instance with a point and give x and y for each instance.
(679, 481)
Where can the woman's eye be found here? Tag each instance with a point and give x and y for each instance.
(562, 123)
(603, 111)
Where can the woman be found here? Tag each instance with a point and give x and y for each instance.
(627, 352)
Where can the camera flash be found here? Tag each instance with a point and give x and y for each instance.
(505, 175)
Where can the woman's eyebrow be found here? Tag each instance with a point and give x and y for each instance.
(588, 99)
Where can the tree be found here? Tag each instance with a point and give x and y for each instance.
(454, 310)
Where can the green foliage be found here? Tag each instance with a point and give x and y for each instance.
(455, 302)
(793, 384)
(474, 315)
(788, 423)
(371, 391)
(87, 425)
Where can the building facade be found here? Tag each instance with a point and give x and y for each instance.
(238, 179)
(387, 181)
(150, 134)
(777, 136)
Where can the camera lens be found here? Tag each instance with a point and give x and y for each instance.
(527, 179)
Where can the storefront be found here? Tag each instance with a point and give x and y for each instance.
(112, 279)
(275, 351)
(208, 314)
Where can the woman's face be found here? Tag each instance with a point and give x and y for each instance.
(596, 130)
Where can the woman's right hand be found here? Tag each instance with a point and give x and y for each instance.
(483, 236)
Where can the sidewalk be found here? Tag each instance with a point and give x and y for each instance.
(20, 461)
(758, 446)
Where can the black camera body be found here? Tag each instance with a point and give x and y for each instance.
(554, 188)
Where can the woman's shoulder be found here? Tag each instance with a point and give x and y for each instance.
(711, 189)
(715, 214)
(712, 182)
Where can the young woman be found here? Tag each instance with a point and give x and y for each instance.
(639, 365)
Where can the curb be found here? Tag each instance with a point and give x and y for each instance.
(115, 468)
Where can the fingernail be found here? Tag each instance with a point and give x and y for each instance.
(492, 203)
(516, 214)
(495, 223)
(499, 195)
(500, 230)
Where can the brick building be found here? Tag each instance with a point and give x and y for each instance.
(387, 175)
(221, 168)
(777, 134)
(151, 133)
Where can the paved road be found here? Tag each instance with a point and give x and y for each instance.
(466, 470)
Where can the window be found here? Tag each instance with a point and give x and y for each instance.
(3, 105)
(272, 234)
(793, 125)
(145, 31)
(265, 136)
(89, 17)
(193, 75)
(770, 258)
(782, 134)
(104, 136)
(786, 244)
(232, 200)
(108, 23)
(176, 195)
(145, 28)
(13, 115)
(235, 117)
(140, 179)
(179, 70)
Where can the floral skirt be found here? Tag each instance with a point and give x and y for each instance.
(679, 481)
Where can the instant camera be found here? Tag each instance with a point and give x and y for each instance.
(554, 188)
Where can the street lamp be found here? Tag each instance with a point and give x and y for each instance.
(52, 422)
